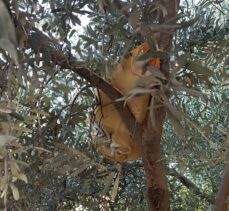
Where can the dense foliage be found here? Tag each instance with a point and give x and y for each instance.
(47, 159)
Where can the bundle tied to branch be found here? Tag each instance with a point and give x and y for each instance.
(109, 133)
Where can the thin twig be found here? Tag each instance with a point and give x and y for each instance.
(5, 199)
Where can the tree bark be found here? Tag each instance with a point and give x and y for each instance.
(156, 182)
(222, 203)
(157, 191)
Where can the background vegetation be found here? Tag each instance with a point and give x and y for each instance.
(47, 160)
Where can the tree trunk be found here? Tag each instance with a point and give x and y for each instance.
(156, 182)
(157, 191)
(221, 203)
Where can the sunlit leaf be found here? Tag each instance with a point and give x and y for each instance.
(8, 46)
(22, 177)
(115, 189)
(4, 192)
(15, 191)
(15, 169)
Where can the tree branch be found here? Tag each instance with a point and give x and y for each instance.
(50, 47)
(191, 186)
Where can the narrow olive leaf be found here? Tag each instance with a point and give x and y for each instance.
(34, 41)
(19, 149)
(152, 54)
(202, 72)
(22, 177)
(180, 131)
(5, 110)
(181, 61)
(128, 6)
(134, 92)
(73, 31)
(87, 39)
(118, 166)
(10, 48)
(23, 163)
(11, 113)
(80, 169)
(223, 130)
(163, 27)
(101, 141)
(134, 18)
(152, 111)
(34, 6)
(40, 112)
(5, 128)
(196, 127)
(102, 5)
(176, 113)
(162, 8)
(16, 8)
(186, 24)
(155, 72)
(182, 164)
(15, 169)
(17, 116)
(108, 182)
(21, 129)
(3, 183)
(191, 92)
(115, 189)
(148, 81)
(75, 20)
(197, 67)
(71, 150)
(15, 191)
(138, 65)
(4, 192)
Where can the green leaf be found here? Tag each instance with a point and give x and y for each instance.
(203, 72)
(8, 46)
(75, 19)
(186, 24)
(22, 177)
